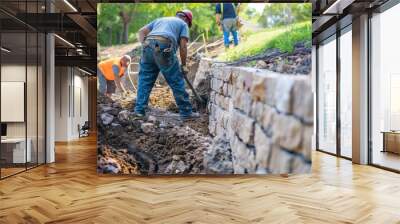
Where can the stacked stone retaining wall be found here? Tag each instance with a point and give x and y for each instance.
(267, 117)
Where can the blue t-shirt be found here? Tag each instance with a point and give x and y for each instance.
(229, 10)
(172, 28)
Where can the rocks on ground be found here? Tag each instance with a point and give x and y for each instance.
(298, 62)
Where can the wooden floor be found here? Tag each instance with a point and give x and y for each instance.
(70, 191)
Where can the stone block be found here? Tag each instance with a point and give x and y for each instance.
(257, 110)
(283, 95)
(299, 166)
(225, 89)
(211, 109)
(280, 161)
(258, 89)
(270, 85)
(220, 116)
(242, 101)
(217, 72)
(287, 131)
(219, 129)
(303, 100)
(212, 126)
(306, 146)
(234, 76)
(268, 117)
(263, 147)
(227, 73)
(243, 126)
(212, 97)
(243, 157)
(230, 90)
(203, 72)
(217, 85)
(222, 101)
(245, 79)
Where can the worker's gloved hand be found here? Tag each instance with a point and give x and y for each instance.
(184, 69)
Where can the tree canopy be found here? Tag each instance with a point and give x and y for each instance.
(118, 23)
(278, 14)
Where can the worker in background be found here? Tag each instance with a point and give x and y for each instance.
(227, 18)
(160, 40)
(111, 74)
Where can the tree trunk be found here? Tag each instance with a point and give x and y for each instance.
(126, 20)
(109, 36)
(125, 35)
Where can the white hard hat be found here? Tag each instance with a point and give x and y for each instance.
(127, 57)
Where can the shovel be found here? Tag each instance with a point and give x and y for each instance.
(198, 98)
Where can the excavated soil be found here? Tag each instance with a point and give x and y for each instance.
(160, 143)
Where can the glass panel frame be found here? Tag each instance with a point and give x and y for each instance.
(384, 135)
(326, 103)
(345, 93)
(27, 59)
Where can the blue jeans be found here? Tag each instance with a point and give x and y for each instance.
(102, 82)
(156, 57)
(229, 26)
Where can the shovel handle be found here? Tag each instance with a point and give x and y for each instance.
(192, 88)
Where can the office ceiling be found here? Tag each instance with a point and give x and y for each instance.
(327, 13)
(74, 22)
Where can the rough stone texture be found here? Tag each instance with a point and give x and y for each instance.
(287, 131)
(283, 97)
(243, 157)
(107, 118)
(266, 117)
(218, 158)
(243, 126)
(147, 127)
(202, 72)
(280, 161)
(263, 146)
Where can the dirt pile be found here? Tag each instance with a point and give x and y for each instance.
(160, 143)
(298, 62)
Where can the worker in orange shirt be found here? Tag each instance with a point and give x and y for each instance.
(111, 74)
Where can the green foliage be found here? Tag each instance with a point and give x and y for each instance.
(110, 23)
(282, 38)
(278, 14)
(114, 18)
(249, 14)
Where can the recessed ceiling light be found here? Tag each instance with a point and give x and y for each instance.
(86, 72)
(64, 40)
(5, 50)
(70, 5)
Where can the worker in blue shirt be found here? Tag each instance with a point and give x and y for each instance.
(227, 18)
(160, 40)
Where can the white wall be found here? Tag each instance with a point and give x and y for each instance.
(71, 102)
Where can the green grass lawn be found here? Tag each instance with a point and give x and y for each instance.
(282, 38)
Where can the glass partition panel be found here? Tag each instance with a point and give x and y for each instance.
(14, 151)
(346, 93)
(327, 96)
(41, 99)
(385, 89)
(31, 98)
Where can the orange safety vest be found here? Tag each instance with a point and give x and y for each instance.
(106, 68)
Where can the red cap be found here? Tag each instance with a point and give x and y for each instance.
(188, 14)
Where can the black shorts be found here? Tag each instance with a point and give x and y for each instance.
(111, 86)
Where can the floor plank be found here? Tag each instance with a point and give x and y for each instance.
(70, 191)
